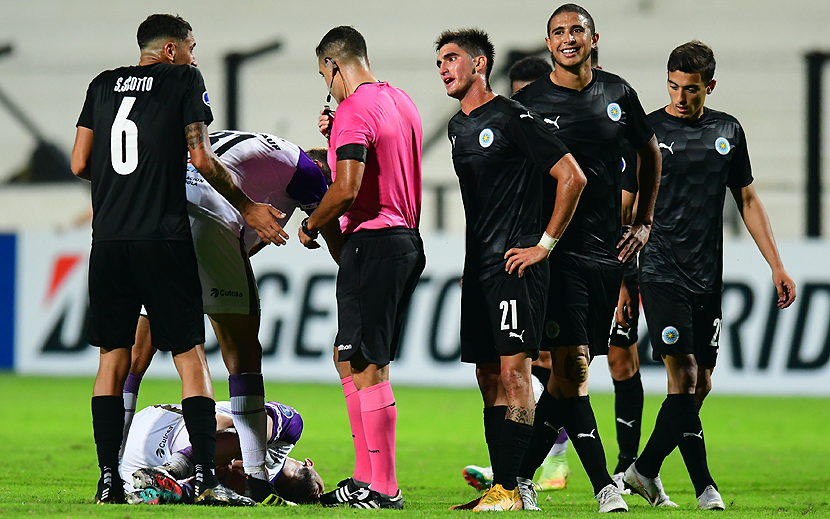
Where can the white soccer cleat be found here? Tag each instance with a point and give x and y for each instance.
(650, 488)
(618, 480)
(610, 500)
(710, 499)
(528, 493)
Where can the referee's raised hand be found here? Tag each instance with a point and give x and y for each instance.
(263, 219)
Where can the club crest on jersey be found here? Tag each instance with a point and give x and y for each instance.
(670, 335)
(485, 138)
(614, 112)
(205, 98)
(722, 145)
(552, 329)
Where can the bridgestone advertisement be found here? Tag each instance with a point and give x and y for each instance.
(763, 350)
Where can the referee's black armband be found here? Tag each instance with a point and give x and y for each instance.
(352, 152)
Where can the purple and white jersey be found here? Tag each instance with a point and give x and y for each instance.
(158, 432)
(286, 429)
(270, 170)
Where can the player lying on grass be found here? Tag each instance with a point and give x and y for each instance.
(272, 170)
(157, 467)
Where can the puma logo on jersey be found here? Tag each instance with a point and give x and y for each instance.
(627, 424)
(661, 145)
(698, 435)
(587, 435)
(527, 115)
(519, 336)
(554, 122)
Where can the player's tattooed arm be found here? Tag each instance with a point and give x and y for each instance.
(518, 414)
(260, 217)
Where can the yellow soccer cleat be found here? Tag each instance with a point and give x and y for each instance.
(555, 473)
(499, 499)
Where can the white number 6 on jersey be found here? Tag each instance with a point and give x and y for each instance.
(124, 140)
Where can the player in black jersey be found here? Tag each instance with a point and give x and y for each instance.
(681, 268)
(500, 153)
(593, 112)
(132, 140)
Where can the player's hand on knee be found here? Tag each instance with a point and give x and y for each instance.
(263, 219)
(522, 258)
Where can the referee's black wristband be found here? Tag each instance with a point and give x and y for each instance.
(310, 234)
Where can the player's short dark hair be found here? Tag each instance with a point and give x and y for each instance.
(343, 43)
(300, 489)
(694, 57)
(529, 68)
(572, 8)
(474, 42)
(320, 154)
(162, 26)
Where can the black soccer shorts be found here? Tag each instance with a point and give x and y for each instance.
(681, 322)
(379, 271)
(622, 336)
(162, 276)
(502, 315)
(581, 301)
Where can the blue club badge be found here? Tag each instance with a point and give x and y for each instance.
(670, 335)
(485, 138)
(722, 145)
(614, 112)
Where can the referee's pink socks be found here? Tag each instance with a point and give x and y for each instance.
(379, 420)
(362, 464)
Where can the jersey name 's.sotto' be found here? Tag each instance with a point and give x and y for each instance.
(593, 123)
(701, 159)
(500, 152)
(137, 163)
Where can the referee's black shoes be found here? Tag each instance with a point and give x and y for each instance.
(367, 498)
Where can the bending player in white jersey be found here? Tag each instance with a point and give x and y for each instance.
(156, 466)
(268, 169)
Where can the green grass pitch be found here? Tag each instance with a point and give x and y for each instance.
(770, 456)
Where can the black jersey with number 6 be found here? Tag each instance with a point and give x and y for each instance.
(593, 123)
(700, 160)
(500, 152)
(139, 155)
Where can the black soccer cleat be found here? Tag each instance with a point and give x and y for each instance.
(161, 481)
(340, 495)
(110, 489)
(367, 498)
(262, 492)
(220, 495)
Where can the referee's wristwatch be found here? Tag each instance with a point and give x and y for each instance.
(311, 234)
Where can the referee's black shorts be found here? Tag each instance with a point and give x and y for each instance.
(159, 274)
(681, 322)
(502, 314)
(581, 302)
(379, 270)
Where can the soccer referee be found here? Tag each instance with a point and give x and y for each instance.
(375, 158)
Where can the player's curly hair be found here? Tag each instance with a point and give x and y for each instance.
(694, 57)
(474, 42)
(572, 8)
(162, 26)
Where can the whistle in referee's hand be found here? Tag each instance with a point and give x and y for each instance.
(327, 111)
